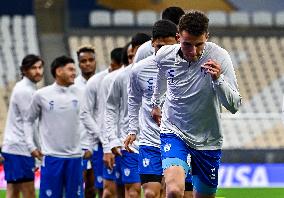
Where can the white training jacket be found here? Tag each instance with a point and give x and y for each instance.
(193, 100)
(117, 111)
(15, 138)
(92, 108)
(104, 92)
(57, 108)
(145, 50)
(142, 78)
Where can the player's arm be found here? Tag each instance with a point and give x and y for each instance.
(112, 116)
(225, 82)
(159, 91)
(30, 116)
(135, 94)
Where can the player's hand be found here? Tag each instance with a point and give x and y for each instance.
(108, 159)
(37, 154)
(213, 68)
(157, 115)
(129, 141)
(116, 150)
(88, 154)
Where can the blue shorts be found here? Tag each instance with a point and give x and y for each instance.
(98, 166)
(115, 173)
(203, 164)
(129, 167)
(150, 160)
(18, 168)
(61, 174)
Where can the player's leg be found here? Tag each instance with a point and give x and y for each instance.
(88, 178)
(174, 154)
(109, 183)
(150, 170)
(130, 175)
(12, 191)
(188, 193)
(118, 176)
(98, 169)
(73, 177)
(19, 173)
(51, 177)
(205, 166)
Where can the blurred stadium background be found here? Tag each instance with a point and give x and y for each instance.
(251, 30)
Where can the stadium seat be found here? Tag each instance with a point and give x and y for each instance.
(262, 18)
(146, 17)
(279, 18)
(218, 18)
(100, 18)
(239, 19)
(123, 18)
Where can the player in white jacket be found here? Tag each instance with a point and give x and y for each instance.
(19, 165)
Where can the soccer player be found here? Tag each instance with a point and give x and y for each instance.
(92, 114)
(117, 113)
(142, 78)
(146, 49)
(58, 106)
(87, 65)
(198, 77)
(19, 165)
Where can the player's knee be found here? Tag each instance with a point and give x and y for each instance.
(150, 193)
(174, 192)
(107, 193)
(134, 193)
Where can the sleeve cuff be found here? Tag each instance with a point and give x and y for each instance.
(219, 81)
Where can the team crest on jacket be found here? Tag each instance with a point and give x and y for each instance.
(75, 103)
(127, 172)
(167, 147)
(51, 105)
(146, 162)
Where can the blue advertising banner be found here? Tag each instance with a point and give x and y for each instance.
(251, 175)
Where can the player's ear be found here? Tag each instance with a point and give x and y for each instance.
(152, 43)
(207, 35)
(178, 37)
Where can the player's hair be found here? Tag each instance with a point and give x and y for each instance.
(85, 48)
(194, 22)
(116, 55)
(139, 38)
(28, 61)
(163, 29)
(173, 14)
(60, 61)
(124, 55)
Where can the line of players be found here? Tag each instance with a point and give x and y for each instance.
(107, 118)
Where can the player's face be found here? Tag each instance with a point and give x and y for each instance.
(35, 72)
(87, 63)
(66, 75)
(192, 46)
(160, 42)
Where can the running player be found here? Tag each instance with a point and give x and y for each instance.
(117, 113)
(87, 65)
(19, 165)
(142, 78)
(58, 106)
(92, 114)
(199, 77)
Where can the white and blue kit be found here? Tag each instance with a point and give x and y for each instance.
(145, 50)
(115, 174)
(117, 113)
(191, 111)
(57, 108)
(91, 116)
(86, 143)
(19, 165)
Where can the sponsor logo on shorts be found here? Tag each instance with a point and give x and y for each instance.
(117, 175)
(146, 162)
(100, 179)
(48, 192)
(127, 172)
(188, 159)
(109, 171)
(167, 147)
(213, 174)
